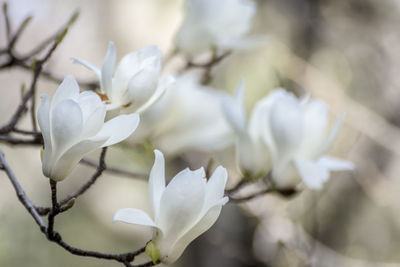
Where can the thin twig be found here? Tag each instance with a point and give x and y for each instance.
(31, 92)
(7, 21)
(124, 258)
(250, 197)
(55, 209)
(35, 141)
(116, 170)
(19, 32)
(100, 168)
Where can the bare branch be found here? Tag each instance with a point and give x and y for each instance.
(116, 170)
(21, 193)
(54, 236)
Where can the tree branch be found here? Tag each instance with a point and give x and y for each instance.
(125, 258)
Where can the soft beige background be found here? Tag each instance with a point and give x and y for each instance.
(344, 52)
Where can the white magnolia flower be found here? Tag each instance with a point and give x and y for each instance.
(211, 23)
(187, 117)
(253, 153)
(294, 133)
(72, 125)
(182, 211)
(136, 84)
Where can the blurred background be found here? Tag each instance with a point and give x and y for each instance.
(343, 52)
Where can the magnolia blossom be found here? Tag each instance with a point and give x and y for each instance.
(182, 211)
(72, 125)
(187, 117)
(136, 84)
(211, 23)
(289, 134)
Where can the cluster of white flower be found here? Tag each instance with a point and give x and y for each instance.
(285, 136)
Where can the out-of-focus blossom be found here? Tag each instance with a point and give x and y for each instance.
(182, 211)
(187, 117)
(136, 84)
(215, 24)
(295, 132)
(72, 125)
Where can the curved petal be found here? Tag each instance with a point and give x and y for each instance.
(285, 121)
(215, 187)
(234, 111)
(315, 123)
(93, 112)
(66, 126)
(163, 85)
(334, 164)
(119, 128)
(69, 160)
(259, 128)
(181, 204)
(157, 182)
(68, 89)
(43, 116)
(141, 87)
(107, 69)
(88, 65)
(171, 252)
(313, 174)
(131, 64)
(133, 216)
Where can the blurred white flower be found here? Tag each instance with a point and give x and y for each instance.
(182, 211)
(210, 23)
(187, 117)
(252, 152)
(136, 84)
(296, 134)
(72, 125)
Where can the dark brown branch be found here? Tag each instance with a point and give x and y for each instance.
(100, 168)
(35, 141)
(38, 65)
(55, 210)
(18, 34)
(124, 258)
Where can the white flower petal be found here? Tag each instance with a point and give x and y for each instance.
(93, 112)
(68, 89)
(66, 126)
(181, 204)
(175, 250)
(313, 174)
(259, 128)
(163, 85)
(315, 123)
(141, 87)
(285, 121)
(234, 111)
(335, 164)
(107, 69)
(215, 187)
(131, 64)
(43, 116)
(157, 182)
(69, 160)
(119, 128)
(134, 216)
(88, 65)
